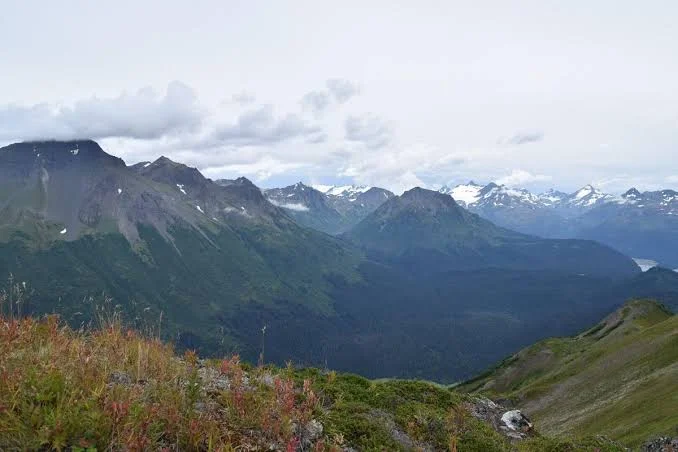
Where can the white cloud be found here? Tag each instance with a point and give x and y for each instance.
(399, 168)
(342, 89)
(243, 98)
(291, 206)
(144, 115)
(260, 168)
(521, 177)
(260, 127)
(316, 101)
(370, 130)
(338, 91)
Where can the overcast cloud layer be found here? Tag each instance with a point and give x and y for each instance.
(536, 93)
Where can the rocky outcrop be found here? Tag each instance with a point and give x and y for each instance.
(511, 423)
(516, 424)
(662, 444)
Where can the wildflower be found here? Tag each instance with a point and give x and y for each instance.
(292, 444)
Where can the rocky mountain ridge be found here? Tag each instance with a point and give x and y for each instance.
(328, 208)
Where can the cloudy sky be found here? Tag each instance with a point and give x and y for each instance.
(529, 93)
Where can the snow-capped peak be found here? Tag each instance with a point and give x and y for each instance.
(347, 191)
(552, 197)
(589, 196)
(585, 191)
(322, 188)
(465, 194)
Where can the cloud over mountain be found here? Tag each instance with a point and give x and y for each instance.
(145, 114)
(260, 126)
(521, 177)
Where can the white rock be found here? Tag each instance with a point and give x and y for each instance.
(515, 420)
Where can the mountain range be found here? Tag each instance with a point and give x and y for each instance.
(413, 285)
(642, 225)
(328, 208)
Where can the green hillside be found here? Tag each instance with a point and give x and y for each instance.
(619, 379)
(115, 389)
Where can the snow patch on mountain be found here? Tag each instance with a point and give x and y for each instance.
(350, 192)
(552, 197)
(589, 196)
(464, 194)
(645, 264)
(322, 188)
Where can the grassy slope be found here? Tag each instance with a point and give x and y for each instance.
(619, 379)
(56, 392)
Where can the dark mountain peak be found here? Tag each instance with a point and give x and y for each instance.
(241, 181)
(243, 190)
(53, 154)
(419, 218)
(166, 161)
(632, 193)
(57, 144)
(172, 173)
(375, 195)
(224, 182)
(422, 193)
(244, 181)
(422, 197)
